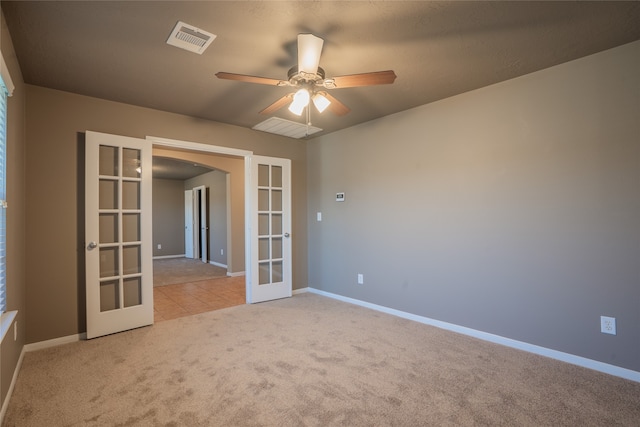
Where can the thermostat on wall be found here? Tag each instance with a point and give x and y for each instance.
(339, 197)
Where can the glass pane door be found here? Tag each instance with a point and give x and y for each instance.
(270, 224)
(118, 255)
(270, 272)
(119, 242)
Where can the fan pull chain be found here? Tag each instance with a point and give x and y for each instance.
(308, 119)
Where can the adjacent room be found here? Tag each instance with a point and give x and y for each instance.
(409, 212)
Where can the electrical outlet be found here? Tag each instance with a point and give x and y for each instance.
(360, 279)
(221, 251)
(608, 325)
(159, 246)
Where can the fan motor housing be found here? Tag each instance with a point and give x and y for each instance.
(298, 77)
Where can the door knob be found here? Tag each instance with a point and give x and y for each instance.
(92, 245)
(286, 235)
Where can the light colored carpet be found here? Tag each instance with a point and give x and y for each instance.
(170, 271)
(308, 361)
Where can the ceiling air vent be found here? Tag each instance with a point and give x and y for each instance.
(286, 128)
(190, 38)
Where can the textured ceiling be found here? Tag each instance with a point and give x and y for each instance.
(168, 168)
(117, 50)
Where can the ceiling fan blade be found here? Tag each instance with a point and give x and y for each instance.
(250, 79)
(309, 50)
(336, 107)
(278, 104)
(364, 79)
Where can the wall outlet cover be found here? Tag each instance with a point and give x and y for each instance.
(608, 325)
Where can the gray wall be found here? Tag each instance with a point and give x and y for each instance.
(168, 217)
(513, 209)
(216, 183)
(16, 223)
(54, 239)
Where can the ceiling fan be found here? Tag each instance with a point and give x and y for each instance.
(309, 80)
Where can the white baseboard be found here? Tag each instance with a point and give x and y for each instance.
(7, 398)
(218, 264)
(236, 274)
(300, 291)
(54, 342)
(33, 347)
(168, 256)
(497, 339)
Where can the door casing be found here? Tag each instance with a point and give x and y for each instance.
(214, 149)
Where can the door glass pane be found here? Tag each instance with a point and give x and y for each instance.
(108, 163)
(276, 224)
(108, 228)
(265, 274)
(276, 200)
(263, 200)
(108, 197)
(131, 163)
(276, 247)
(263, 175)
(109, 295)
(131, 227)
(276, 176)
(130, 195)
(263, 224)
(277, 271)
(131, 260)
(263, 249)
(109, 262)
(132, 291)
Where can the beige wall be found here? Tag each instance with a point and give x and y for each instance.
(55, 119)
(513, 209)
(16, 224)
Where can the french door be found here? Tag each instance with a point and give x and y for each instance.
(270, 225)
(118, 232)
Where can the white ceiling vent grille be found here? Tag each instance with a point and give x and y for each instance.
(190, 38)
(286, 128)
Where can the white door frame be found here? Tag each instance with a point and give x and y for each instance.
(247, 155)
(188, 224)
(201, 236)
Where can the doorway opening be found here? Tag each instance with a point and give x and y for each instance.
(206, 269)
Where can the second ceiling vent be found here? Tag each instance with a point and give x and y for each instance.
(190, 38)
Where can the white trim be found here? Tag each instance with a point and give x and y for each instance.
(6, 320)
(218, 264)
(55, 342)
(300, 291)
(197, 146)
(14, 379)
(6, 77)
(497, 339)
(168, 256)
(236, 274)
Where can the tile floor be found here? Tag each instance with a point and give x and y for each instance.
(185, 299)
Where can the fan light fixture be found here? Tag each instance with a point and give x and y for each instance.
(321, 102)
(301, 100)
(308, 78)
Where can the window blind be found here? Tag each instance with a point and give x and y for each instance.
(3, 195)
